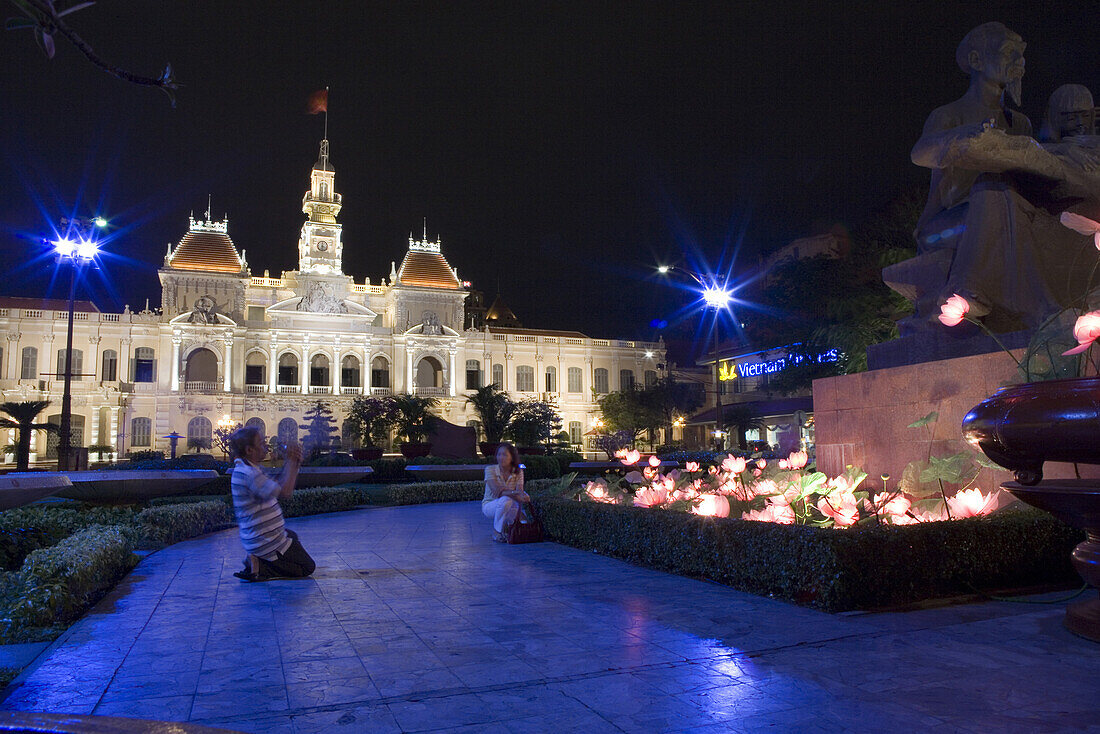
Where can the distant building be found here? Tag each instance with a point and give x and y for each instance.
(834, 244)
(260, 349)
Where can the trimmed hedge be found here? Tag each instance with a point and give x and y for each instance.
(168, 524)
(318, 500)
(834, 570)
(427, 492)
(26, 529)
(55, 585)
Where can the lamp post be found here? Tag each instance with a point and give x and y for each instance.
(77, 253)
(716, 295)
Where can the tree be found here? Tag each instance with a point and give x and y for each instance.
(414, 419)
(45, 20)
(494, 409)
(824, 303)
(198, 444)
(222, 436)
(22, 419)
(744, 418)
(667, 399)
(626, 411)
(534, 422)
(372, 418)
(320, 429)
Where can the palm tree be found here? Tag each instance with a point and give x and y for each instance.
(22, 420)
(414, 417)
(494, 409)
(745, 418)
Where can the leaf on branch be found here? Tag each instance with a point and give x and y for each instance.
(12, 24)
(954, 469)
(984, 460)
(73, 9)
(930, 418)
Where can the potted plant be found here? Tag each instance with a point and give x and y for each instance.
(494, 410)
(413, 420)
(372, 419)
(533, 422)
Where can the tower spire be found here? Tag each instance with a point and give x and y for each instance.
(209, 206)
(425, 229)
(326, 112)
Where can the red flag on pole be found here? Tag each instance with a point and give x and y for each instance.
(318, 102)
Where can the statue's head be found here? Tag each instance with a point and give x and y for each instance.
(1070, 112)
(995, 53)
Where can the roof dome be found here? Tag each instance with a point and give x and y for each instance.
(206, 247)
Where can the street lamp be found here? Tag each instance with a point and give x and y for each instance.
(716, 295)
(77, 253)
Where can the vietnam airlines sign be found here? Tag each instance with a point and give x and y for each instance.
(728, 371)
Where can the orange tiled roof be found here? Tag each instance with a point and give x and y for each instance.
(211, 251)
(427, 269)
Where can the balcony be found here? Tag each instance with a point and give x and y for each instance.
(320, 389)
(201, 386)
(381, 391)
(350, 390)
(255, 389)
(431, 392)
(288, 389)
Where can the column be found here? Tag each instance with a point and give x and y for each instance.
(175, 363)
(509, 369)
(334, 371)
(303, 369)
(454, 375)
(272, 368)
(408, 371)
(227, 379)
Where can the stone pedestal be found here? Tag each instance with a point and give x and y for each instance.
(862, 419)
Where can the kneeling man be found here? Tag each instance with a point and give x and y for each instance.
(273, 551)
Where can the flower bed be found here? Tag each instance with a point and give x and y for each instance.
(865, 567)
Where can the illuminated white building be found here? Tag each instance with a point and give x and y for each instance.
(262, 349)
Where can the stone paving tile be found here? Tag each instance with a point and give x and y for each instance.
(416, 622)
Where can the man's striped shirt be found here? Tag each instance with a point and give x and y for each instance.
(259, 517)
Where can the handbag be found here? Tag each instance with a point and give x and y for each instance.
(526, 528)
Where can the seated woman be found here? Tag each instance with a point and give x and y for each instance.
(503, 490)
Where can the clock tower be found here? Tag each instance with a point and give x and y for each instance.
(319, 247)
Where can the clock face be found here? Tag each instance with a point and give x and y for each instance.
(322, 246)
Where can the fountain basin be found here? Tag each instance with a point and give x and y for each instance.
(21, 489)
(117, 485)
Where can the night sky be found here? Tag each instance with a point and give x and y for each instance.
(560, 150)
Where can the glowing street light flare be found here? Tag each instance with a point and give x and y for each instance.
(663, 269)
(716, 297)
(99, 222)
(86, 250)
(64, 247)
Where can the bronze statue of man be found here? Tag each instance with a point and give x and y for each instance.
(990, 230)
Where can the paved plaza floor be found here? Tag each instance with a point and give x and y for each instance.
(415, 621)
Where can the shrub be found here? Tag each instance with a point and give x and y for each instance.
(835, 570)
(424, 492)
(55, 585)
(167, 524)
(25, 529)
(147, 455)
(539, 467)
(192, 461)
(318, 500)
(386, 470)
(564, 459)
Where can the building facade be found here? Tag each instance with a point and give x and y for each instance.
(262, 350)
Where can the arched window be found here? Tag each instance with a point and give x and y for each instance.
(348, 436)
(29, 369)
(141, 432)
(199, 433)
(258, 423)
(379, 372)
(255, 369)
(109, 372)
(288, 432)
(145, 365)
(626, 379)
(322, 191)
(349, 371)
(498, 376)
(318, 370)
(525, 378)
(650, 378)
(551, 379)
(599, 380)
(77, 364)
(288, 369)
(575, 379)
(473, 374)
(429, 373)
(575, 432)
(201, 366)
